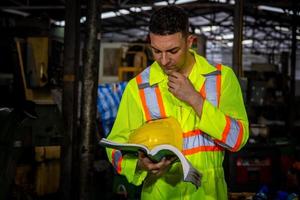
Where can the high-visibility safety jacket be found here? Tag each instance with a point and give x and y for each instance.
(222, 126)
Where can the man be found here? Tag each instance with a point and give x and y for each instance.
(206, 100)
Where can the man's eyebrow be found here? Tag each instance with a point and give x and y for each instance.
(154, 48)
(172, 49)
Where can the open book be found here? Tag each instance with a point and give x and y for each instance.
(190, 174)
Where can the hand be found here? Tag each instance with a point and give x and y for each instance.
(181, 87)
(157, 169)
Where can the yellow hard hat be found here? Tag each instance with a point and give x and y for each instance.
(157, 132)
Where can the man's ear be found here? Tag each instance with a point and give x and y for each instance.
(190, 40)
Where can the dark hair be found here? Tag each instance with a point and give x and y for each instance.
(169, 20)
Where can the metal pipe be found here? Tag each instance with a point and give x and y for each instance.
(89, 96)
(293, 74)
(36, 7)
(70, 100)
(237, 59)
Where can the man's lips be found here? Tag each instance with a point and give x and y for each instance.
(170, 67)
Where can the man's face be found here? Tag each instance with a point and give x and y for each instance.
(170, 51)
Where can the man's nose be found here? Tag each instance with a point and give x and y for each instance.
(164, 59)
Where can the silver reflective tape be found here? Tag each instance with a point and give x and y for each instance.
(197, 141)
(233, 133)
(211, 90)
(150, 95)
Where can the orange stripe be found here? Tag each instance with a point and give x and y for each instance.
(239, 139)
(201, 148)
(146, 110)
(143, 99)
(113, 156)
(119, 169)
(139, 79)
(226, 130)
(160, 102)
(202, 91)
(191, 133)
(218, 84)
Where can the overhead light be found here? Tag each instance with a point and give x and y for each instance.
(247, 41)
(272, 9)
(197, 31)
(16, 12)
(298, 37)
(280, 28)
(135, 9)
(209, 28)
(114, 14)
(184, 1)
(146, 8)
(108, 15)
(140, 9)
(60, 23)
(161, 3)
(228, 36)
(164, 3)
(124, 12)
(83, 19)
(230, 44)
(219, 1)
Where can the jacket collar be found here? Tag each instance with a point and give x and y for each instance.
(201, 66)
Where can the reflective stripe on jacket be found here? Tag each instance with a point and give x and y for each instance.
(223, 124)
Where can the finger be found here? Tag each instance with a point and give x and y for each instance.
(153, 169)
(175, 74)
(163, 170)
(163, 163)
(170, 160)
(148, 161)
(141, 154)
(156, 169)
(171, 90)
(172, 85)
(172, 79)
(154, 166)
(172, 76)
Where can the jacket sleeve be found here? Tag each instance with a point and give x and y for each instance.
(228, 124)
(129, 117)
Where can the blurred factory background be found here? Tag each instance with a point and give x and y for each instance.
(50, 125)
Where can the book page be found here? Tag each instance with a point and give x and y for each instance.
(123, 146)
(190, 174)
